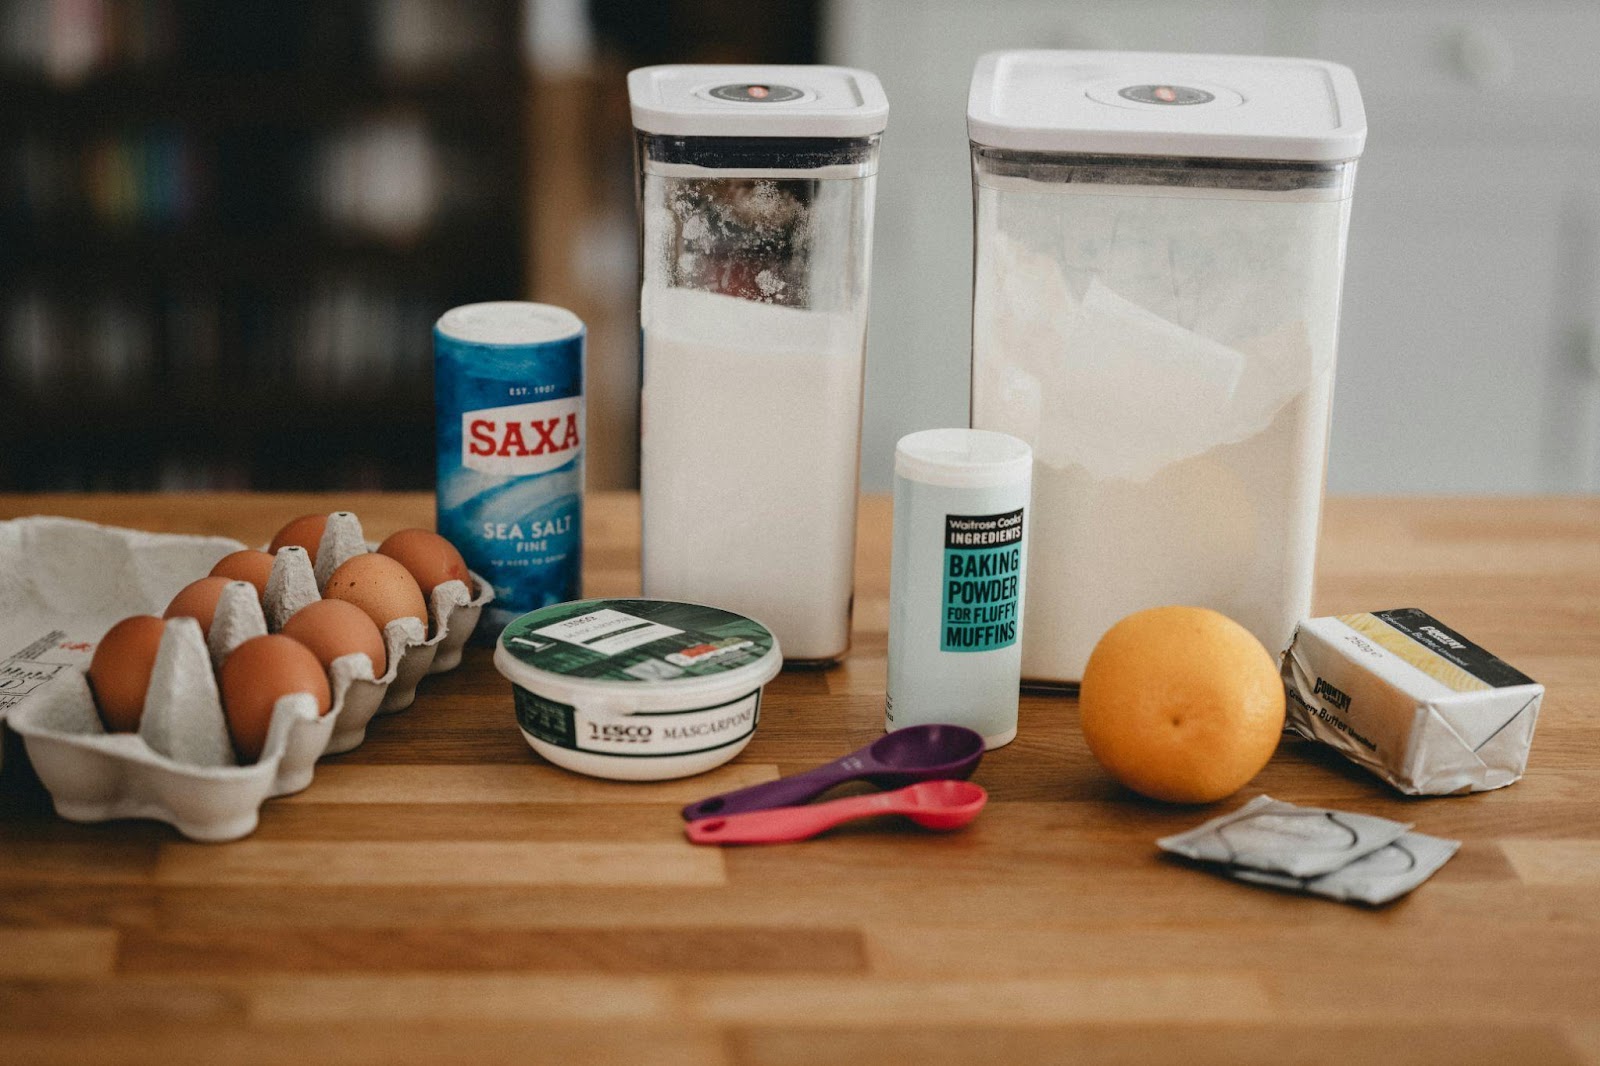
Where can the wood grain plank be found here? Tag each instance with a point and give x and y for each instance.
(1493, 978)
(1584, 1036)
(1171, 996)
(118, 1006)
(616, 823)
(94, 905)
(1321, 951)
(478, 999)
(439, 863)
(533, 782)
(1289, 1043)
(55, 953)
(711, 949)
(1396, 992)
(362, 1043)
(1112, 904)
(252, 517)
(72, 862)
(1554, 862)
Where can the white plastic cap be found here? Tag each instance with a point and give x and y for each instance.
(513, 322)
(757, 101)
(1167, 104)
(963, 458)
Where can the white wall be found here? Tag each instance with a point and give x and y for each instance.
(1470, 349)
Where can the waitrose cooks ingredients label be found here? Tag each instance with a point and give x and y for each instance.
(982, 581)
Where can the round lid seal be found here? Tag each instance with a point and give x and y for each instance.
(637, 654)
(757, 100)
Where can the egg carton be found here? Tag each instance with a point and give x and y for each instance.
(455, 609)
(179, 767)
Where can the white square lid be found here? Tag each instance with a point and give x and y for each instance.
(1167, 104)
(746, 100)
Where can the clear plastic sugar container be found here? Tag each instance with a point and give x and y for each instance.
(756, 189)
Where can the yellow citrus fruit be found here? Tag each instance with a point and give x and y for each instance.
(1181, 704)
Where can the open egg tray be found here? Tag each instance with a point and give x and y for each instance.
(179, 767)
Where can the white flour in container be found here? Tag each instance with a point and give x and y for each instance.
(750, 417)
(1171, 362)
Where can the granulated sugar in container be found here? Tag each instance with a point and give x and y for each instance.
(1160, 246)
(755, 199)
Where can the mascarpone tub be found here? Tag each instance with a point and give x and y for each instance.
(637, 690)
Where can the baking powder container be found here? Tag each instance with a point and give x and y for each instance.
(637, 690)
(508, 410)
(957, 579)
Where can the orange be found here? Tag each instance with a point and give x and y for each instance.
(1181, 704)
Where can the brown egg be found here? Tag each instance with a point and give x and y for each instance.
(305, 532)
(252, 566)
(198, 600)
(258, 673)
(379, 586)
(428, 557)
(331, 628)
(119, 673)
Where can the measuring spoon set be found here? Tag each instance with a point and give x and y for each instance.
(926, 766)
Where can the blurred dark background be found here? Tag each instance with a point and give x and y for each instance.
(226, 228)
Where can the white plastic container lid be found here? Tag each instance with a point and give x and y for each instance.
(962, 458)
(608, 655)
(757, 101)
(1167, 104)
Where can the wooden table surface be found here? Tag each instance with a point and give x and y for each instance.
(440, 894)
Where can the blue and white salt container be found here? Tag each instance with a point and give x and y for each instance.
(509, 427)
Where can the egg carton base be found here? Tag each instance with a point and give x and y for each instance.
(93, 776)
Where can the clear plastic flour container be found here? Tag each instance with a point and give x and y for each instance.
(1160, 245)
(755, 204)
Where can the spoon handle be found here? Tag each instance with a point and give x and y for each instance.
(784, 792)
(790, 823)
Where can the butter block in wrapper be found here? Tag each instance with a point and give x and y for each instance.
(1412, 700)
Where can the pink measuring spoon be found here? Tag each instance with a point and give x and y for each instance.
(903, 757)
(941, 805)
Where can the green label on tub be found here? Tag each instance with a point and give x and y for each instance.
(635, 640)
(642, 735)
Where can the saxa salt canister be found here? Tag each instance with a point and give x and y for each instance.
(957, 579)
(508, 408)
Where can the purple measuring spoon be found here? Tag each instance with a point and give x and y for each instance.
(904, 757)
